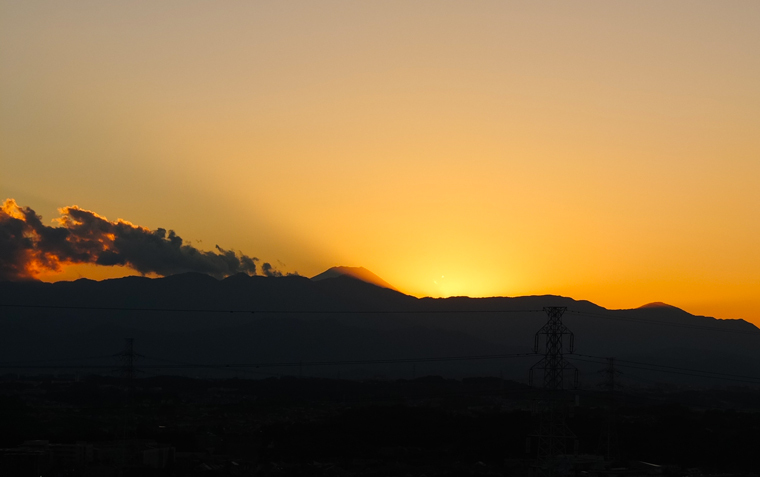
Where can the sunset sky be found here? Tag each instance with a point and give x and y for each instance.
(607, 151)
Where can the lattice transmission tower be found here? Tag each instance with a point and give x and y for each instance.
(553, 434)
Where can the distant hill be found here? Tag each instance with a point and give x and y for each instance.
(359, 273)
(186, 319)
(658, 304)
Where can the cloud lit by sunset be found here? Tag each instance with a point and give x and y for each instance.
(30, 249)
(603, 151)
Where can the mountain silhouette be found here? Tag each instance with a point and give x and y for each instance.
(359, 273)
(186, 318)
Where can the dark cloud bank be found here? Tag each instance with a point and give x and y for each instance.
(27, 247)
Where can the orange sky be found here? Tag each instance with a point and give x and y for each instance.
(604, 151)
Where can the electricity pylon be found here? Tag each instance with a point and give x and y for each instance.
(127, 358)
(553, 434)
(608, 439)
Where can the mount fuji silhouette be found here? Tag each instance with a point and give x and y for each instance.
(358, 273)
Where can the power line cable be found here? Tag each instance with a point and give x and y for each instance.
(56, 359)
(671, 367)
(182, 365)
(294, 312)
(750, 380)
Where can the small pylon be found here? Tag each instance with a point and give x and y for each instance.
(127, 358)
(608, 439)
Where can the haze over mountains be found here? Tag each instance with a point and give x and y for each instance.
(344, 314)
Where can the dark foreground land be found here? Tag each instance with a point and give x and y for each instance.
(172, 426)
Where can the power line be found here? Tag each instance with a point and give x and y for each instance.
(722, 376)
(57, 359)
(671, 367)
(366, 361)
(294, 312)
(181, 365)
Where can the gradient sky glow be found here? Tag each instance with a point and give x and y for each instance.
(608, 151)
